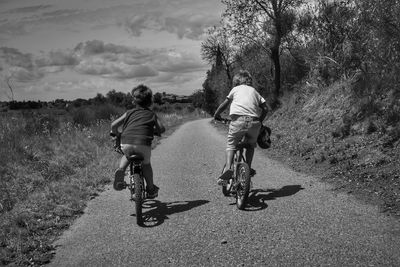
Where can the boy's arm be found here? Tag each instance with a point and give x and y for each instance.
(159, 127)
(221, 108)
(118, 122)
(264, 111)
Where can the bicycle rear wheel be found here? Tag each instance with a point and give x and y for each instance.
(139, 187)
(243, 184)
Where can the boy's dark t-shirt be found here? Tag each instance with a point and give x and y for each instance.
(138, 127)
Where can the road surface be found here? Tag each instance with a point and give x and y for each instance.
(292, 219)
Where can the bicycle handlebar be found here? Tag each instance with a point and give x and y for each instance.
(223, 120)
(117, 142)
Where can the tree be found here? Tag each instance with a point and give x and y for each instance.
(218, 48)
(210, 95)
(197, 99)
(116, 98)
(158, 98)
(265, 23)
(381, 26)
(99, 99)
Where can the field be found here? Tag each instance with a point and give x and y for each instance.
(52, 163)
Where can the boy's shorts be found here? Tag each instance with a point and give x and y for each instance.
(243, 127)
(142, 150)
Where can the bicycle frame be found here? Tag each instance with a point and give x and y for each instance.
(135, 167)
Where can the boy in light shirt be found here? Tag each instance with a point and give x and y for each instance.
(247, 110)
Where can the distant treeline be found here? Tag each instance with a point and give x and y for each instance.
(113, 97)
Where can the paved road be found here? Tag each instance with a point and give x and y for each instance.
(293, 220)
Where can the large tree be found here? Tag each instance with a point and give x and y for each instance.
(265, 23)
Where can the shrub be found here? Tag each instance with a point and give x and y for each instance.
(106, 111)
(83, 116)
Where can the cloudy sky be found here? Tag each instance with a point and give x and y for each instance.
(72, 49)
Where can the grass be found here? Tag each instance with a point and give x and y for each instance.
(50, 167)
(350, 141)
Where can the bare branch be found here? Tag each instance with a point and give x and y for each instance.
(8, 81)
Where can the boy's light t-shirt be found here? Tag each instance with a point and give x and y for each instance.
(246, 101)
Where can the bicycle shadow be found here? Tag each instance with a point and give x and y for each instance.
(258, 197)
(156, 212)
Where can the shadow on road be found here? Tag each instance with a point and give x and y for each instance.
(156, 212)
(257, 197)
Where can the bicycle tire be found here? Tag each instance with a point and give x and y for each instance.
(243, 185)
(138, 197)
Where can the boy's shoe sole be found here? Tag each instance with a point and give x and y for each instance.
(119, 183)
(224, 178)
(222, 182)
(154, 194)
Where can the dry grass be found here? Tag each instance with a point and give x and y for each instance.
(50, 167)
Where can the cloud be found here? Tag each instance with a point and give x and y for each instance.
(29, 9)
(24, 75)
(106, 60)
(99, 66)
(186, 19)
(57, 58)
(116, 61)
(25, 67)
(189, 26)
(98, 58)
(94, 47)
(14, 57)
(60, 13)
(19, 66)
(136, 24)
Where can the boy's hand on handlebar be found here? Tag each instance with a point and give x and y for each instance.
(115, 136)
(217, 117)
(220, 119)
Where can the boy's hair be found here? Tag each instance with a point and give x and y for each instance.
(142, 96)
(243, 77)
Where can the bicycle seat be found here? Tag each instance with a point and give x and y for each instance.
(136, 158)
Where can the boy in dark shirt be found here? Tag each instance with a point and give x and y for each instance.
(138, 128)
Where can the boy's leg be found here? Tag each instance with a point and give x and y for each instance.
(249, 155)
(152, 189)
(120, 174)
(251, 139)
(148, 174)
(229, 159)
(123, 163)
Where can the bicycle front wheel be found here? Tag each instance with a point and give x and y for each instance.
(243, 184)
(139, 188)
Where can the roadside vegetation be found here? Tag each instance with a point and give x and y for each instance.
(330, 71)
(53, 160)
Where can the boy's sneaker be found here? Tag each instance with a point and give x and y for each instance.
(119, 183)
(224, 178)
(151, 194)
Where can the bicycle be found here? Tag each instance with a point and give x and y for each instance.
(136, 184)
(240, 182)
